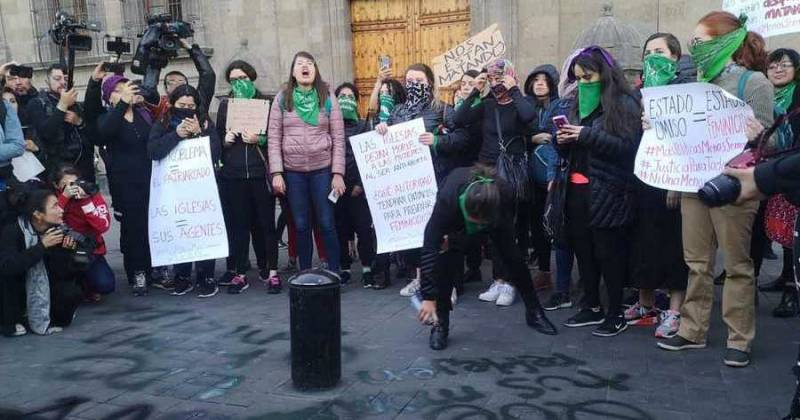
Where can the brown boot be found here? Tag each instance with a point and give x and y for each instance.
(543, 280)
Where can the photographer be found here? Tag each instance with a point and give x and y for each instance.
(18, 79)
(35, 264)
(124, 130)
(59, 122)
(86, 212)
(185, 120)
(207, 80)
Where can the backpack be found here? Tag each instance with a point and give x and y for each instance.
(783, 136)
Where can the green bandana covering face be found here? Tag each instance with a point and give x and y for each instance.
(658, 70)
(387, 105)
(306, 105)
(589, 97)
(243, 89)
(713, 55)
(349, 107)
(784, 96)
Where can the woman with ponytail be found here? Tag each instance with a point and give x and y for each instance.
(729, 56)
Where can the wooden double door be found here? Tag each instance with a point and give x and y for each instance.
(408, 31)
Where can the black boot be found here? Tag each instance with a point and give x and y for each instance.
(789, 304)
(440, 331)
(535, 317)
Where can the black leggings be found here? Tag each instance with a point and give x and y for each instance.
(352, 216)
(541, 244)
(251, 202)
(600, 252)
(131, 209)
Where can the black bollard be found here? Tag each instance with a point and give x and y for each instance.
(316, 329)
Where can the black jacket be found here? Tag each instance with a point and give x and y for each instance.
(447, 219)
(608, 160)
(126, 143)
(515, 120)
(16, 260)
(63, 142)
(163, 139)
(352, 176)
(240, 160)
(780, 176)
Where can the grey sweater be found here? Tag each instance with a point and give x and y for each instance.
(758, 92)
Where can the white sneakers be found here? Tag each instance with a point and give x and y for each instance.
(502, 294)
(411, 288)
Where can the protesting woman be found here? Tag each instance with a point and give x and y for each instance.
(600, 145)
(307, 155)
(471, 201)
(248, 199)
(125, 130)
(505, 117)
(657, 251)
(724, 52)
(86, 212)
(182, 121)
(386, 94)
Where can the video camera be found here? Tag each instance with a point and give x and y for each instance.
(160, 42)
(64, 33)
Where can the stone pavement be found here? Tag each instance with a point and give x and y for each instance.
(164, 357)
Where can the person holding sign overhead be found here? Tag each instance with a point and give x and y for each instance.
(249, 203)
(600, 148)
(725, 54)
(307, 155)
(183, 121)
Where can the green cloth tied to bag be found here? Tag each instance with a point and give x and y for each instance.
(243, 89)
(306, 105)
(784, 96)
(713, 55)
(658, 70)
(349, 107)
(589, 95)
(470, 226)
(386, 107)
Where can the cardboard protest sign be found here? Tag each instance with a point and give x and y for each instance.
(26, 167)
(472, 54)
(696, 128)
(247, 115)
(186, 222)
(767, 17)
(397, 173)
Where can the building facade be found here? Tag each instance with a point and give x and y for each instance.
(345, 36)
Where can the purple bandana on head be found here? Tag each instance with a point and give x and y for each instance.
(110, 84)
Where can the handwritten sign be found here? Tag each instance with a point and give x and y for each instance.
(247, 115)
(397, 173)
(186, 222)
(472, 54)
(696, 128)
(26, 167)
(767, 17)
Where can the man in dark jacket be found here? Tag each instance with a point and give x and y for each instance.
(207, 80)
(60, 127)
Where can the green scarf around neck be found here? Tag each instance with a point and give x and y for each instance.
(306, 105)
(712, 56)
(784, 96)
(243, 89)
(658, 70)
(589, 95)
(349, 108)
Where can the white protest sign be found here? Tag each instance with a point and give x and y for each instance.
(26, 167)
(767, 17)
(186, 222)
(247, 115)
(397, 173)
(696, 128)
(472, 54)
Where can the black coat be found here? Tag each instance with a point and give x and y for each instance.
(240, 160)
(163, 139)
(780, 176)
(608, 160)
(447, 219)
(126, 143)
(352, 176)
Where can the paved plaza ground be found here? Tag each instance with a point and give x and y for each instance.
(164, 357)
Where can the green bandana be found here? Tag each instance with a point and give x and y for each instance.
(349, 108)
(306, 105)
(459, 101)
(243, 89)
(387, 105)
(784, 96)
(712, 56)
(658, 70)
(470, 226)
(589, 97)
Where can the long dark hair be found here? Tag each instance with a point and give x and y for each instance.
(319, 84)
(483, 198)
(617, 115)
(32, 198)
(673, 44)
(396, 89)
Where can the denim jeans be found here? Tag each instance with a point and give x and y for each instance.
(564, 261)
(308, 197)
(99, 276)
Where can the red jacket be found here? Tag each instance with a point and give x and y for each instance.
(88, 216)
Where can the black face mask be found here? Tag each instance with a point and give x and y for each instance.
(183, 113)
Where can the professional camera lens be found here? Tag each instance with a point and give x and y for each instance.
(720, 191)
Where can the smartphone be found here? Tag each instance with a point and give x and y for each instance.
(384, 62)
(560, 121)
(24, 72)
(333, 196)
(116, 68)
